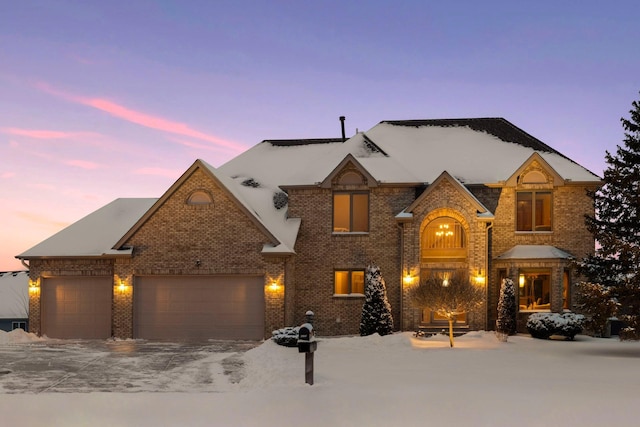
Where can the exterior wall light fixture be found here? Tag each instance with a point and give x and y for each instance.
(34, 287)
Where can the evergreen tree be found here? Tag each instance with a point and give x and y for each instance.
(616, 227)
(506, 323)
(376, 311)
(449, 298)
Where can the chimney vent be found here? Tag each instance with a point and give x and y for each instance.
(344, 138)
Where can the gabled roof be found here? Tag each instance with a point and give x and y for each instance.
(96, 234)
(280, 233)
(482, 211)
(403, 152)
(535, 252)
(349, 159)
(557, 178)
(474, 151)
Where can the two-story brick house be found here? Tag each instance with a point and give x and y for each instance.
(290, 226)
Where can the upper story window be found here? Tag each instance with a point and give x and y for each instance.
(199, 197)
(534, 211)
(444, 237)
(350, 212)
(347, 282)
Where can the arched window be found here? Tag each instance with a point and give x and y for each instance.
(199, 197)
(444, 238)
(534, 177)
(351, 178)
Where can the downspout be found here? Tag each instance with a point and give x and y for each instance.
(25, 264)
(401, 228)
(486, 270)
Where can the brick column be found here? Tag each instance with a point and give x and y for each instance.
(122, 308)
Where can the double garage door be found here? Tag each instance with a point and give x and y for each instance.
(199, 307)
(164, 307)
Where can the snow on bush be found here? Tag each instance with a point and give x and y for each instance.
(543, 325)
(376, 311)
(287, 337)
(506, 323)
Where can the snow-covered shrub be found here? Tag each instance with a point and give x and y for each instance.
(287, 337)
(376, 311)
(543, 325)
(506, 323)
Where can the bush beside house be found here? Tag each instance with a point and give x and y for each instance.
(544, 325)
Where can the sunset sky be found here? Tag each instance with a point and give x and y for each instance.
(107, 99)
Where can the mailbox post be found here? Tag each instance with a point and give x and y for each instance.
(307, 344)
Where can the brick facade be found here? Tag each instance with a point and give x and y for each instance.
(182, 239)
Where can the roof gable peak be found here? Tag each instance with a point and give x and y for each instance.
(446, 176)
(349, 162)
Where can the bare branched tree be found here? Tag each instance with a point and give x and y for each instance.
(448, 297)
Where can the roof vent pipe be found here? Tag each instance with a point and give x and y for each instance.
(342, 126)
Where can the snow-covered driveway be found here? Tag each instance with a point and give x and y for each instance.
(120, 366)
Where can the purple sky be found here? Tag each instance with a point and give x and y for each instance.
(108, 99)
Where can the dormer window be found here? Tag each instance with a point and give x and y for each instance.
(534, 211)
(200, 198)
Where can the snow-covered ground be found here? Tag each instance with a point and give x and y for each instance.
(396, 380)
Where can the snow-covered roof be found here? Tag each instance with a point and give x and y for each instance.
(535, 252)
(14, 295)
(258, 199)
(474, 151)
(95, 234)
(471, 151)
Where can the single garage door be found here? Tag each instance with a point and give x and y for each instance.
(199, 307)
(78, 307)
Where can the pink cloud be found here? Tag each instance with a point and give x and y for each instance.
(45, 134)
(7, 175)
(84, 164)
(170, 173)
(41, 220)
(198, 146)
(143, 119)
(37, 134)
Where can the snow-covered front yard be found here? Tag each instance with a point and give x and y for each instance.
(396, 380)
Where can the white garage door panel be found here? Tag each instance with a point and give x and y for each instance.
(199, 307)
(78, 307)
